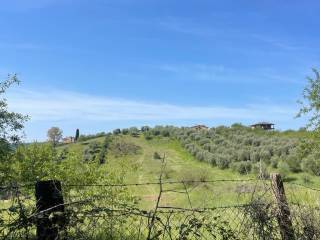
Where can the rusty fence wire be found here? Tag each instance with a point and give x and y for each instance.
(220, 209)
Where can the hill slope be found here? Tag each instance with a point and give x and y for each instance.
(133, 157)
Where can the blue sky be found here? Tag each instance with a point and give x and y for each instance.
(102, 64)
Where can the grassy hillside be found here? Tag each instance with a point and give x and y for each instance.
(132, 157)
(112, 180)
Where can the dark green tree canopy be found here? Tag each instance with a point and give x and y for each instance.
(77, 135)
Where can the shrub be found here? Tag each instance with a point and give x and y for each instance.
(116, 131)
(254, 156)
(155, 131)
(243, 155)
(265, 155)
(243, 167)
(200, 155)
(165, 133)
(102, 156)
(64, 153)
(121, 147)
(261, 170)
(222, 161)
(274, 161)
(293, 162)
(145, 128)
(188, 177)
(156, 155)
(204, 141)
(93, 147)
(125, 131)
(203, 175)
(311, 164)
(147, 136)
(284, 169)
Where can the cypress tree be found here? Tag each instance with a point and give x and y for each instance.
(77, 135)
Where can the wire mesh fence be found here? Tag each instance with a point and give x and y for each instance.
(220, 209)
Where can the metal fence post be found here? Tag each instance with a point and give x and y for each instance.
(49, 203)
(283, 214)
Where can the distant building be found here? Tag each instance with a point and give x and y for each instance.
(200, 127)
(68, 140)
(263, 125)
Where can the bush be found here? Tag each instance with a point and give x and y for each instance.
(156, 155)
(120, 147)
(93, 147)
(203, 175)
(200, 155)
(116, 131)
(243, 167)
(222, 161)
(254, 156)
(125, 131)
(274, 161)
(102, 156)
(294, 163)
(148, 136)
(145, 128)
(188, 177)
(261, 170)
(283, 169)
(243, 155)
(311, 164)
(265, 156)
(204, 141)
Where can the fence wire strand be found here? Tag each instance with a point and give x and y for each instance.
(230, 209)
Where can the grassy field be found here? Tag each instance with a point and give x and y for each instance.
(182, 166)
(200, 185)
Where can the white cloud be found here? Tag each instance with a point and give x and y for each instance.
(71, 107)
(205, 72)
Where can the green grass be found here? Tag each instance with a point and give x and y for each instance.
(182, 166)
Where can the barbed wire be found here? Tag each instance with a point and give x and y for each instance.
(257, 216)
(15, 186)
(304, 186)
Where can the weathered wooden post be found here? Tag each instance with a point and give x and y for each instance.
(283, 214)
(49, 204)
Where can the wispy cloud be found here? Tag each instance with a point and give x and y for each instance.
(278, 43)
(187, 26)
(205, 72)
(226, 74)
(72, 106)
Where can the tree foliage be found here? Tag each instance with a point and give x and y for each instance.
(54, 135)
(11, 126)
(241, 148)
(77, 135)
(310, 104)
(11, 123)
